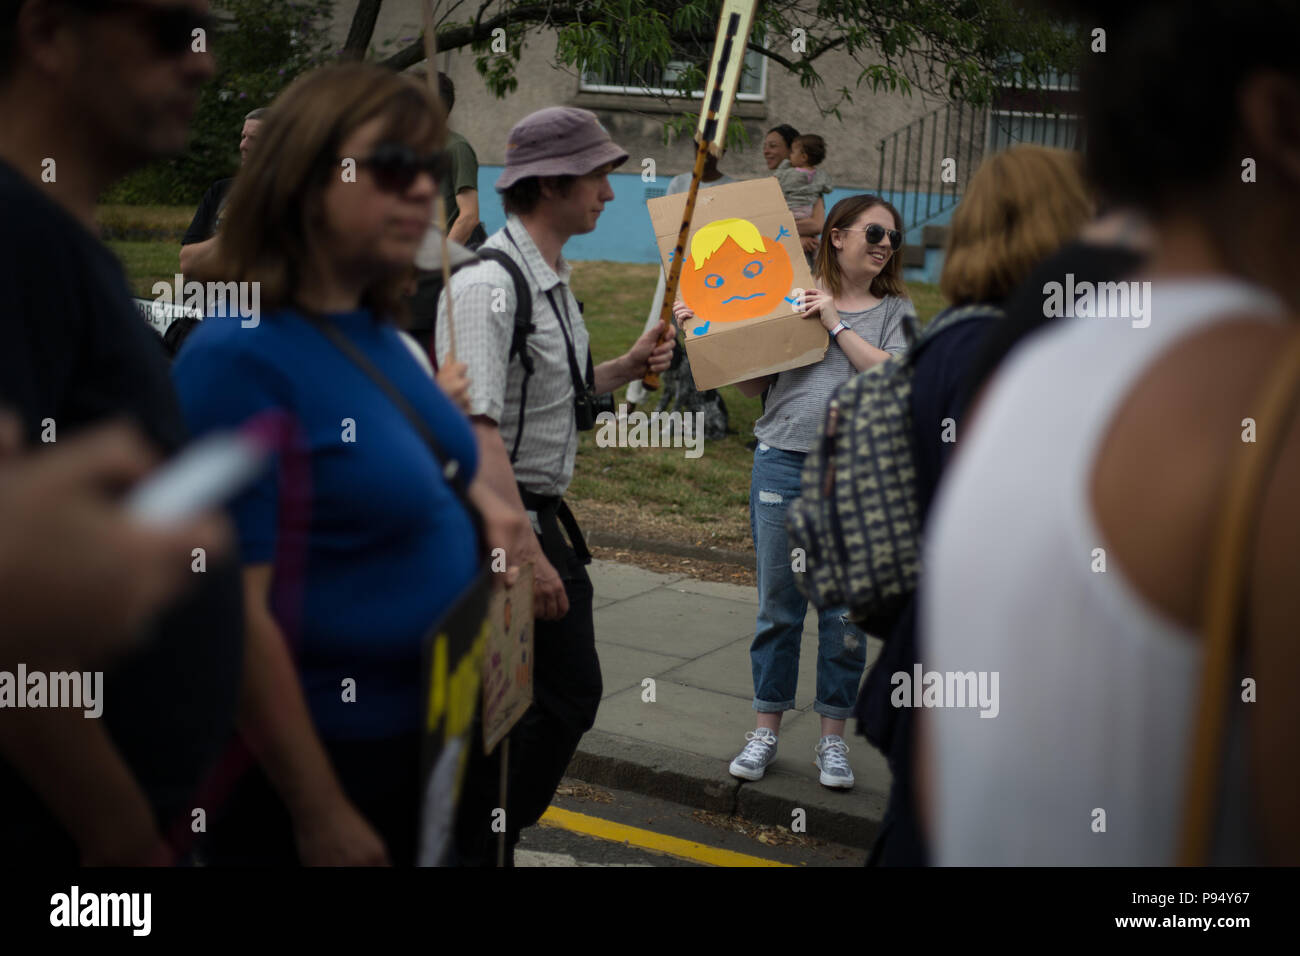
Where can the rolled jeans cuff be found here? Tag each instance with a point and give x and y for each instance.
(832, 713)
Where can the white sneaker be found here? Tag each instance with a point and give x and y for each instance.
(752, 762)
(833, 762)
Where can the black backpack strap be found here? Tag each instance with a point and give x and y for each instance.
(523, 326)
(451, 467)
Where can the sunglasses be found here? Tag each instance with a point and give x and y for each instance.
(170, 28)
(395, 166)
(875, 233)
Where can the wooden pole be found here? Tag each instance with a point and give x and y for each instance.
(714, 106)
(439, 204)
(505, 780)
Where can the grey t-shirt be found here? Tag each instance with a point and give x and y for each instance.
(799, 397)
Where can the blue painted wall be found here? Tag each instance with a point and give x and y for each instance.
(624, 233)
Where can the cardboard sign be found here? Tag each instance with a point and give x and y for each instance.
(160, 315)
(743, 268)
(453, 668)
(508, 664)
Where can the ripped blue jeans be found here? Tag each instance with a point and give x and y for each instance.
(841, 646)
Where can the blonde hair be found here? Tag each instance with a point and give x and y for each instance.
(274, 217)
(1022, 204)
(709, 239)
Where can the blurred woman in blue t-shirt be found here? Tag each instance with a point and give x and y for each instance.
(326, 216)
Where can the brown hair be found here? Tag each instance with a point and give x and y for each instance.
(522, 196)
(814, 147)
(272, 224)
(1022, 204)
(826, 267)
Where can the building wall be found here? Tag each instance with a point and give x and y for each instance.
(637, 124)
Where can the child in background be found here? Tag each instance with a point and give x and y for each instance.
(801, 181)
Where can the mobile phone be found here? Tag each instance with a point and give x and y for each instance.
(204, 476)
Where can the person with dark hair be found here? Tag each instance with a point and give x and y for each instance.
(460, 186)
(389, 543)
(861, 301)
(526, 411)
(1072, 544)
(200, 238)
(802, 183)
(776, 150)
(777, 143)
(91, 92)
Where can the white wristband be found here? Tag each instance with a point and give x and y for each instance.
(840, 327)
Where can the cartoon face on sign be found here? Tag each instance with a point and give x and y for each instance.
(733, 273)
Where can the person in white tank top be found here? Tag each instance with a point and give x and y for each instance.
(1068, 548)
(1095, 686)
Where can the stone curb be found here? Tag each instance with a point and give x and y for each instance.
(623, 763)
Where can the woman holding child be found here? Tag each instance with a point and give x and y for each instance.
(860, 300)
(778, 152)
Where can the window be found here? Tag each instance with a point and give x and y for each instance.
(1008, 127)
(658, 81)
(1043, 114)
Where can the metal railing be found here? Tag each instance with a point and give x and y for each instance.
(912, 161)
(912, 157)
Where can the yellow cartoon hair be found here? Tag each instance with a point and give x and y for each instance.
(709, 239)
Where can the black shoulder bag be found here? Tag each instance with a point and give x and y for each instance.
(451, 468)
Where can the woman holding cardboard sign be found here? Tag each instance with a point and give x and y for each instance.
(860, 299)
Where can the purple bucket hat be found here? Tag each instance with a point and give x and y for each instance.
(557, 141)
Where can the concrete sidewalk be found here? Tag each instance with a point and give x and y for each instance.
(692, 638)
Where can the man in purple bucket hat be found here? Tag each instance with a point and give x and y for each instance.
(533, 387)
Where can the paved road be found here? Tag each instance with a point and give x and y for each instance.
(594, 826)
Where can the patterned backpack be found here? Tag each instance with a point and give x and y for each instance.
(857, 516)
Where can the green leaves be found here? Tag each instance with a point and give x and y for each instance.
(952, 48)
(958, 49)
(259, 46)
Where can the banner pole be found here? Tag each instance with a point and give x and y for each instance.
(733, 29)
(505, 780)
(439, 203)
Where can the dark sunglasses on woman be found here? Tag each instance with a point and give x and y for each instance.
(395, 166)
(875, 233)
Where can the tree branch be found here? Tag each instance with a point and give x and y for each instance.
(461, 36)
(361, 30)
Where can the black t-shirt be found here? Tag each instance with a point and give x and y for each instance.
(938, 393)
(1086, 261)
(204, 224)
(74, 349)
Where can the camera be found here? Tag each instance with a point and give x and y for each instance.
(587, 406)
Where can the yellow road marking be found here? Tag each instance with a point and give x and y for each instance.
(649, 840)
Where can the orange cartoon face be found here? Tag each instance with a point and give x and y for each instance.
(733, 273)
